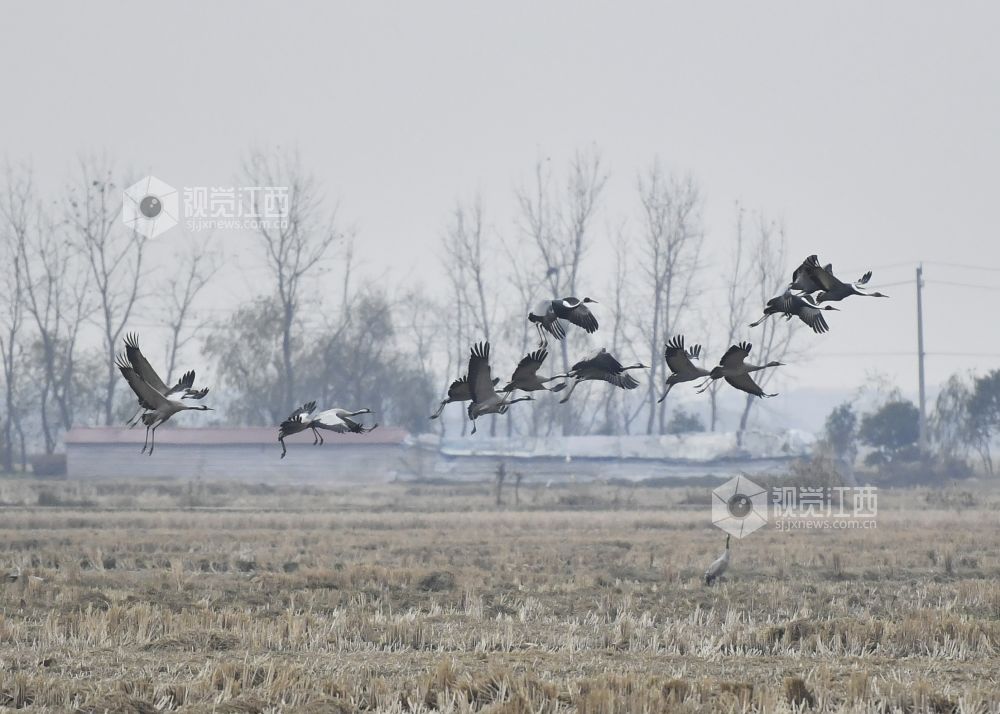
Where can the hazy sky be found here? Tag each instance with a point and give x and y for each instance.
(872, 129)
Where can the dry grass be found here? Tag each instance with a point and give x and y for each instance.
(204, 597)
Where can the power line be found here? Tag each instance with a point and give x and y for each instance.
(911, 263)
(963, 285)
(964, 266)
(903, 353)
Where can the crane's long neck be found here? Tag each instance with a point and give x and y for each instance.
(638, 365)
(358, 413)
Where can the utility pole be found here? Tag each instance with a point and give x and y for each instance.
(922, 438)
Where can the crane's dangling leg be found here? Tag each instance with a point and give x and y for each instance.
(570, 392)
(152, 441)
(754, 324)
(701, 388)
(559, 387)
(543, 341)
(283, 449)
(440, 409)
(146, 444)
(669, 387)
(315, 435)
(473, 425)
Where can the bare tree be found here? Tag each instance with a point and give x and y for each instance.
(738, 294)
(294, 245)
(423, 336)
(617, 417)
(949, 424)
(774, 341)
(466, 246)
(455, 314)
(672, 238)
(15, 210)
(559, 226)
(526, 281)
(57, 299)
(190, 278)
(113, 255)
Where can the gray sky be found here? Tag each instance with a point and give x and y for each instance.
(870, 128)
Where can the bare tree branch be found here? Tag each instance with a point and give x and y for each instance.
(293, 246)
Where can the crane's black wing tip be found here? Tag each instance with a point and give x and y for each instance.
(538, 355)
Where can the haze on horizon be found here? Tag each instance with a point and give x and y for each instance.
(869, 130)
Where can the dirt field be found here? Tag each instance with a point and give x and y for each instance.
(585, 598)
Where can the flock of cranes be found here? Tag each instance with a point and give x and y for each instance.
(797, 299)
(813, 285)
(156, 405)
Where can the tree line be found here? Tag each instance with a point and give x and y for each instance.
(312, 328)
(961, 429)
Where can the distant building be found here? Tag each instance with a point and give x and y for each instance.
(244, 454)
(252, 454)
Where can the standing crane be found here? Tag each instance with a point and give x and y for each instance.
(719, 565)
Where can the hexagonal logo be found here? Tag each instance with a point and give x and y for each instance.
(150, 207)
(739, 506)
